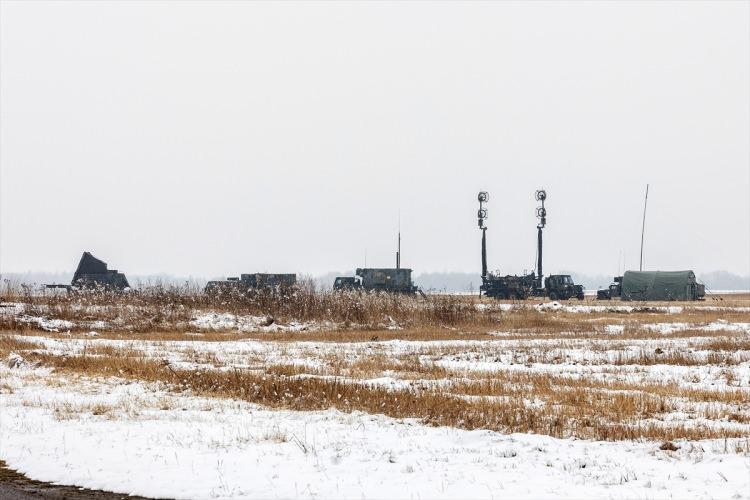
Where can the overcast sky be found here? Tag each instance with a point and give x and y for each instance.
(210, 139)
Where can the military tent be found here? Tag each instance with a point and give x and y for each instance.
(661, 285)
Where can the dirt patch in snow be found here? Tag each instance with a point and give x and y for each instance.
(17, 486)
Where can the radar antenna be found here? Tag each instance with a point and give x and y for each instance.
(643, 228)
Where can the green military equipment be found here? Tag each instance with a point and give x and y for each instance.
(395, 280)
(612, 292)
(661, 285)
(562, 287)
(252, 281)
(93, 274)
(493, 284)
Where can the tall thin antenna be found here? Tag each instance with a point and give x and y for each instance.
(643, 226)
(398, 252)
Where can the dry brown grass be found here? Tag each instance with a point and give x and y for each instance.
(170, 309)
(575, 412)
(505, 401)
(606, 403)
(11, 343)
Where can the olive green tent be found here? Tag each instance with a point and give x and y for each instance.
(661, 285)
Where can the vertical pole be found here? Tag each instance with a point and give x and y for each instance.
(484, 253)
(481, 217)
(398, 253)
(643, 226)
(539, 257)
(541, 213)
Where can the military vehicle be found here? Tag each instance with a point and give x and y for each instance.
(493, 284)
(396, 280)
(380, 279)
(346, 283)
(92, 273)
(255, 281)
(507, 287)
(561, 287)
(612, 292)
(661, 285)
(555, 286)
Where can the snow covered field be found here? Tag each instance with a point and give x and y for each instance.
(546, 400)
(138, 438)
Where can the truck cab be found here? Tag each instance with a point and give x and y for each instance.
(346, 283)
(561, 286)
(614, 290)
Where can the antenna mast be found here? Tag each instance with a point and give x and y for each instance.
(398, 252)
(541, 214)
(643, 226)
(483, 198)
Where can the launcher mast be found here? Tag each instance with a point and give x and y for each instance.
(483, 197)
(541, 214)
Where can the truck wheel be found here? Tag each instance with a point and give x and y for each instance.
(552, 296)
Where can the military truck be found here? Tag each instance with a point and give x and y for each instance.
(395, 280)
(612, 292)
(507, 287)
(92, 273)
(346, 283)
(254, 281)
(493, 284)
(654, 285)
(561, 287)
(380, 279)
(661, 285)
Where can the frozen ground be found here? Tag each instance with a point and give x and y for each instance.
(137, 438)
(146, 438)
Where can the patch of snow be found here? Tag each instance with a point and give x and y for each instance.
(549, 306)
(157, 444)
(229, 321)
(614, 328)
(666, 328)
(720, 325)
(50, 325)
(500, 306)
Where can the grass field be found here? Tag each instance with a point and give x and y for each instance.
(671, 374)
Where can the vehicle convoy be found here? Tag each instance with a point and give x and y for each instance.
(254, 281)
(92, 274)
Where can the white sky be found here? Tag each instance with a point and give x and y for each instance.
(218, 138)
